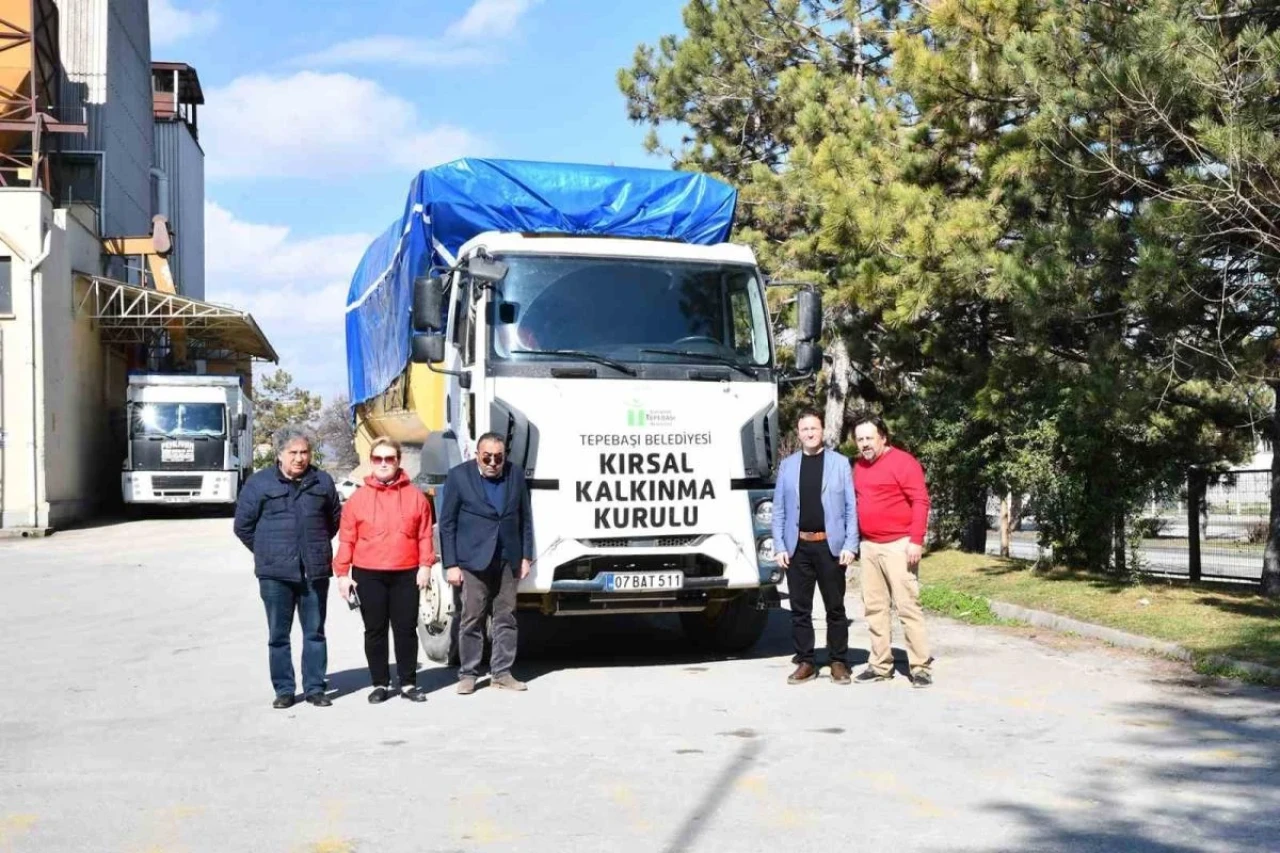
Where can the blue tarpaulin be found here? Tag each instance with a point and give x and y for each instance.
(450, 204)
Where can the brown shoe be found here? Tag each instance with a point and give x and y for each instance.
(839, 672)
(804, 672)
(466, 685)
(507, 681)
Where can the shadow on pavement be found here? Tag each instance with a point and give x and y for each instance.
(1228, 753)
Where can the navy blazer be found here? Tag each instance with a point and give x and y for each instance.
(470, 528)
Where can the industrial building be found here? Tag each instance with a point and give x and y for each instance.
(101, 249)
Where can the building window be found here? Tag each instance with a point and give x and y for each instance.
(6, 285)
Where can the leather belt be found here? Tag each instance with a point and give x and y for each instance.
(812, 537)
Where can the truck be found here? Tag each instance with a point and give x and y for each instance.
(190, 439)
(598, 319)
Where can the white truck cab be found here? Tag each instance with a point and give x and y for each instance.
(636, 383)
(190, 439)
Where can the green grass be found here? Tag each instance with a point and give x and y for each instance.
(1209, 621)
(958, 605)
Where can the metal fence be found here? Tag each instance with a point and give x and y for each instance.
(1215, 530)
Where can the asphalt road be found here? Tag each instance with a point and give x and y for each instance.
(135, 716)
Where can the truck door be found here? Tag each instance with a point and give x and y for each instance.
(460, 408)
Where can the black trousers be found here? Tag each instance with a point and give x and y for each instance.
(389, 597)
(813, 565)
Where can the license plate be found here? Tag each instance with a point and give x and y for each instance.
(642, 581)
(178, 451)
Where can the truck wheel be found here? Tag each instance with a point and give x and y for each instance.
(438, 634)
(437, 627)
(733, 626)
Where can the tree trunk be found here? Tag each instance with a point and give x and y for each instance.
(839, 381)
(973, 531)
(1119, 543)
(1271, 557)
(1006, 523)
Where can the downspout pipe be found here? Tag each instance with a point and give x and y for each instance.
(162, 192)
(37, 386)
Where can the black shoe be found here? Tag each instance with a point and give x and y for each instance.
(869, 676)
(284, 700)
(319, 700)
(921, 678)
(379, 695)
(413, 694)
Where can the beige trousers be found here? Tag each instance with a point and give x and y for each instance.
(887, 579)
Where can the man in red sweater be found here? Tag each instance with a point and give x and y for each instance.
(893, 514)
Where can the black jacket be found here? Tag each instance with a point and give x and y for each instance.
(289, 528)
(470, 528)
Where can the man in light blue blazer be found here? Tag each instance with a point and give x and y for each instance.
(815, 535)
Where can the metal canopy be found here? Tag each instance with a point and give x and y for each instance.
(127, 314)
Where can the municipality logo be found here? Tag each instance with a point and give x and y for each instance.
(639, 415)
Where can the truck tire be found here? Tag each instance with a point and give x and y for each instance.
(439, 642)
(731, 627)
(438, 636)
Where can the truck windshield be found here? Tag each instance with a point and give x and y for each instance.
(171, 420)
(634, 310)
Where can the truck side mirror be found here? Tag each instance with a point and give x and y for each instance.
(427, 349)
(486, 269)
(808, 357)
(242, 422)
(428, 304)
(808, 315)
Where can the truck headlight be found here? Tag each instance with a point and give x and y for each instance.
(764, 550)
(764, 512)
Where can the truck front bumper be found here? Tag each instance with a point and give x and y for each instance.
(167, 487)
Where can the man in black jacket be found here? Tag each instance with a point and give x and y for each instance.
(486, 540)
(287, 515)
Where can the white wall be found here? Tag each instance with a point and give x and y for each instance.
(21, 214)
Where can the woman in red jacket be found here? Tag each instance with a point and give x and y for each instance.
(385, 553)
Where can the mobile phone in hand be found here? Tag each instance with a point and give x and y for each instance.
(353, 601)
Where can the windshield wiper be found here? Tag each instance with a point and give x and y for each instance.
(577, 353)
(704, 356)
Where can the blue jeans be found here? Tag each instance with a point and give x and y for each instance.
(309, 598)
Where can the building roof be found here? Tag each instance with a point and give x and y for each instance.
(127, 314)
(189, 91)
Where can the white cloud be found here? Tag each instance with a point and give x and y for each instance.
(396, 50)
(487, 18)
(316, 124)
(295, 288)
(470, 40)
(170, 24)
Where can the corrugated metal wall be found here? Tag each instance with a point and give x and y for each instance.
(178, 154)
(106, 53)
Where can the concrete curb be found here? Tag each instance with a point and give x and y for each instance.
(1123, 639)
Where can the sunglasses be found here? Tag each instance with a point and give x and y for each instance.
(378, 460)
(492, 458)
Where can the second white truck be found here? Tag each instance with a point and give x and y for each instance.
(190, 439)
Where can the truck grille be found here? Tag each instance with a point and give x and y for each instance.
(649, 542)
(177, 483)
(693, 566)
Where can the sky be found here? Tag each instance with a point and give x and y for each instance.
(318, 113)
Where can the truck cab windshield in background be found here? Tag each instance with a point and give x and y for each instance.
(635, 311)
(173, 420)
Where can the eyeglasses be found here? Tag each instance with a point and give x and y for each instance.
(492, 458)
(379, 460)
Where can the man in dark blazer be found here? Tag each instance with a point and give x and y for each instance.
(486, 540)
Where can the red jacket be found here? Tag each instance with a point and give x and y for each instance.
(892, 499)
(385, 526)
